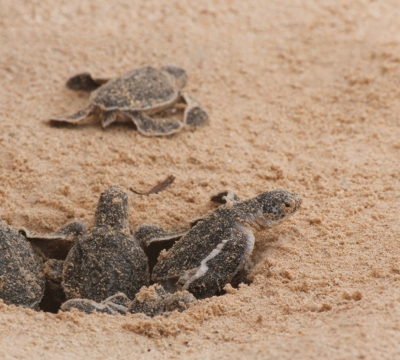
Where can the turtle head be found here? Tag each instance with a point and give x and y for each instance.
(178, 74)
(112, 209)
(276, 206)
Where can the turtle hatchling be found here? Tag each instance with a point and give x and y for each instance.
(136, 95)
(211, 253)
(21, 274)
(53, 248)
(151, 301)
(108, 260)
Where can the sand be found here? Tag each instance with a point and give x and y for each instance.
(302, 95)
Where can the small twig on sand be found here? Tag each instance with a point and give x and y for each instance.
(157, 188)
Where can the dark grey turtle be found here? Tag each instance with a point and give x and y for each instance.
(108, 260)
(53, 248)
(211, 253)
(134, 96)
(21, 273)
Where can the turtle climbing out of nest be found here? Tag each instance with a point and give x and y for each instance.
(108, 260)
(135, 96)
(215, 249)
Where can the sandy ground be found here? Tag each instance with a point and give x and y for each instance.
(302, 95)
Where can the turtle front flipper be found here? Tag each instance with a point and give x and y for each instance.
(84, 82)
(224, 197)
(147, 234)
(194, 115)
(76, 118)
(154, 239)
(56, 245)
(149, 127)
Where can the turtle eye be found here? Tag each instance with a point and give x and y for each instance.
(289, 203)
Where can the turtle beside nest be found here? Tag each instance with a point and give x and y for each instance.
(136, 95)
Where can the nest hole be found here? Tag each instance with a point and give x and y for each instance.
(54, 295)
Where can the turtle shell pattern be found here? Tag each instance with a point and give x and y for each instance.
(142, 89)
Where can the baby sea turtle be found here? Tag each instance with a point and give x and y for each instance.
(151, 301)
(108, 260)
(21, 274)
(52, 249)
(209, 255)
(55, 245)
(134, 96)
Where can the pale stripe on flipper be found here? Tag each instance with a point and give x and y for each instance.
(203, 265)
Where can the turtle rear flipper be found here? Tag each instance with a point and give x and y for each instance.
(149, 127)
(194, 115)
(84, 82)
(76, 118)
